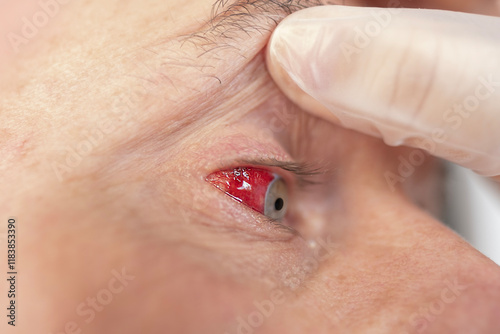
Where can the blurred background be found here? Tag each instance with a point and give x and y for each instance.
(473, 209)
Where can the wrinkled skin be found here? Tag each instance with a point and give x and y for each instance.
(166, 99)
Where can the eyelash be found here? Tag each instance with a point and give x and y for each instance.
(304, 174)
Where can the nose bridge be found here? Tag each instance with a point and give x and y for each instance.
(397, 265)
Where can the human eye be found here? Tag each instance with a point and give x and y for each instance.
(272, 188)
(260, 189)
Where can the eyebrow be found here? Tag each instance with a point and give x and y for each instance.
(234, 20)
(232, 25)
(236, 10)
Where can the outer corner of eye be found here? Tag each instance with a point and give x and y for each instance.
(257, 188)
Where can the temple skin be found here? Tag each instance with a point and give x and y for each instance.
(113, 115)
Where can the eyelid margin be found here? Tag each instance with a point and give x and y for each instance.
(303, 172)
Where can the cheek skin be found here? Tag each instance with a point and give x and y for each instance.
(167, 288)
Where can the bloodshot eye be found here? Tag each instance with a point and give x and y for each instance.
(257, 188)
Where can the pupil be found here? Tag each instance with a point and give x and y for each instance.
(278, 205)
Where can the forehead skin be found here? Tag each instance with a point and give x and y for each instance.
(159, 58)
(117, 111)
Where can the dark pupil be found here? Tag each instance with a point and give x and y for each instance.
(278, 205)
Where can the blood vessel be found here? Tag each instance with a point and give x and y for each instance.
(247, 185)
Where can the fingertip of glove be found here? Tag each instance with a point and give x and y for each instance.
(289, 87)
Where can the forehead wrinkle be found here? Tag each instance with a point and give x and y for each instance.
(235, 33)
(204, 70)
(236, 30)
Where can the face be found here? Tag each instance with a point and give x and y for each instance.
(162, 183)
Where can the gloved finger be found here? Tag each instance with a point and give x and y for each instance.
(422, 78)
(488, 7)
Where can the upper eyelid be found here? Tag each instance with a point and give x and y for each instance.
(305, 174)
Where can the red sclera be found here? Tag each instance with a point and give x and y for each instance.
(245, 184)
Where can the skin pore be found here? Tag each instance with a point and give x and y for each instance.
(112, 118)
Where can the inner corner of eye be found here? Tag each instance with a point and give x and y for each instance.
(257, 188)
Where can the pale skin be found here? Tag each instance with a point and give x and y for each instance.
(157, 100)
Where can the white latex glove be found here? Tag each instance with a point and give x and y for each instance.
(423, 78)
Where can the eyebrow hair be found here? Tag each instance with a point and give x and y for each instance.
(234, 20)
(227, 11)
(233, 25)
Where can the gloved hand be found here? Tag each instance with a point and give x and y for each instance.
(423, 78)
